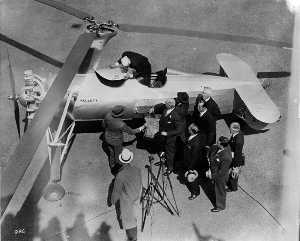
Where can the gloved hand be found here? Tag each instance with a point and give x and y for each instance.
(235, 172)
(208, 174)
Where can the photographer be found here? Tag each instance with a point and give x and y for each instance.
(126, 192)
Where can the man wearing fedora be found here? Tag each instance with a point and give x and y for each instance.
(219, 160)
(126, 192)
(194, 159)
(114, 127)
(236, 143)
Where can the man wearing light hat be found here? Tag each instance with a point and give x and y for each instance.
(114, 127)
(126, 192)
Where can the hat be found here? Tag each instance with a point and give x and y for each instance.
(117, 111)
(126, 156)
(223, 140)
(182, 97)
(191, 175)
(235, 126)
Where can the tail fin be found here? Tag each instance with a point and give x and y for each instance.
(258, 104)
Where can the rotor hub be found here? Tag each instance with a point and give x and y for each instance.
(100, 27)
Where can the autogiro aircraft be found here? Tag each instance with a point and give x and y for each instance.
(82, 94)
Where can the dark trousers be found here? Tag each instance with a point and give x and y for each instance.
(170, 150)
(113, 152)
(193, 187)
(232, 183)
(220, 191)
(131, 234)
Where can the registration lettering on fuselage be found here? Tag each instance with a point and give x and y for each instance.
(89, 100)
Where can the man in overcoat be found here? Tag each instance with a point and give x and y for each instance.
(195, 160)
(236, 143)
(220, 160)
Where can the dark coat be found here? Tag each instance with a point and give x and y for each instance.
(207, 125)
(212, 108)
(195, 154)
(236, 143)
(173, 124)
(220, 162)
(114, 128)
(139, 63)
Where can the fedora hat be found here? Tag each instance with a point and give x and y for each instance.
(191, 175)
(117, 111)
(126, 156)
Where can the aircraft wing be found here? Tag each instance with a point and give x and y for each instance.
(252, 93)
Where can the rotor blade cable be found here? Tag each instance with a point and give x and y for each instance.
(260, 204)
(31, 51)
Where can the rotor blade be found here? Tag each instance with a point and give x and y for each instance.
(14, 97)
(65, 8)
(25, 151)
(31, 51)
(205, 35)
(279, 74)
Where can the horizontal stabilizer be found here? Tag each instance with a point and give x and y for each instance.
(252, 93)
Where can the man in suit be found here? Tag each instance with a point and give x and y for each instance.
(195, 159)
(209, 103)
(114, 127)
(125, 194)
(236, 143)
(219, 160)
(205, 121)
(171, 127)
(134, 65)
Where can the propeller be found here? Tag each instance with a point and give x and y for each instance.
(25, 151)
(131, 28)
(14, 96)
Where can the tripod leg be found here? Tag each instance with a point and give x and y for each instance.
(172, 191)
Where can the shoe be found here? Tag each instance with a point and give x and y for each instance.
(193, 196)
(228, 190)
(215, 210)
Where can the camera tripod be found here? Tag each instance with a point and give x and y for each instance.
(156, 191)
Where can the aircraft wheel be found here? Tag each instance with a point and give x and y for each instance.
(54, 192)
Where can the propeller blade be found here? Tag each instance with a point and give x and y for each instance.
(25, 123)
(14, 97)
(17, 116)
(279, 74)
(65, 8)
(24, 152)
(205, 35)
(31, 51)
